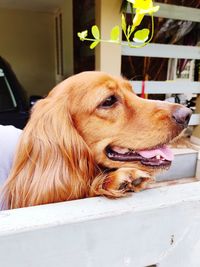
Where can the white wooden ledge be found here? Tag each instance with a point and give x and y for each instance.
(158, 226)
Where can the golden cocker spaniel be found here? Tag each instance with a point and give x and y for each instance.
(91, 136)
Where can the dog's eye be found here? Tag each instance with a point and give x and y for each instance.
(109, 102)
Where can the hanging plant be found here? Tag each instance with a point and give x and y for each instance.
(140, 37)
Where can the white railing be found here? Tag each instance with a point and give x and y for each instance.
(163, 51)
(169, 51)
(170, 87)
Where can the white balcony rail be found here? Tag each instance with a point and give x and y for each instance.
(155, 227)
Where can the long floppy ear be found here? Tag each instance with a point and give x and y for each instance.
(52, 163)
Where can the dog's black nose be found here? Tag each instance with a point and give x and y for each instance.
(182, 115)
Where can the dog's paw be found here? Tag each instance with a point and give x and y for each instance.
(129, 180)
(118, 183)
(136, 181)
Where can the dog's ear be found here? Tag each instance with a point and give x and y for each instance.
(52, 163)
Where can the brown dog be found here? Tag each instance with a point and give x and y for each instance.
(91, 136)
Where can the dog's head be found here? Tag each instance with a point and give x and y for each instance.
(120, 128)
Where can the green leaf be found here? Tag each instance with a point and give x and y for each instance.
(95, 32)
(82, 35)
(141, 36)
(123, 23)
(114, 35)
(94, 44)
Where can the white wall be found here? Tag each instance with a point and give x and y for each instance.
(28, 44)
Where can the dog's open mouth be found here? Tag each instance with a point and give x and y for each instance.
(161, 156)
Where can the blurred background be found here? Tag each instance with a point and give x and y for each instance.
(39, 47)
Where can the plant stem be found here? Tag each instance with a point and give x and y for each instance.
(128, 43)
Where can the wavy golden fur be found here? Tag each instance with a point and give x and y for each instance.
(61, 154)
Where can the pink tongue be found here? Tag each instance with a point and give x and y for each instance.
(164, 151)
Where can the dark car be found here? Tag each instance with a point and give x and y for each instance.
(14, 106)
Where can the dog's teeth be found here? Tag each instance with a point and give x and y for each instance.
(120, 150)
(158, 157)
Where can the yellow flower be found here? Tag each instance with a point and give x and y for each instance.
(138, 19)
(142, 7)
(142, 4)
